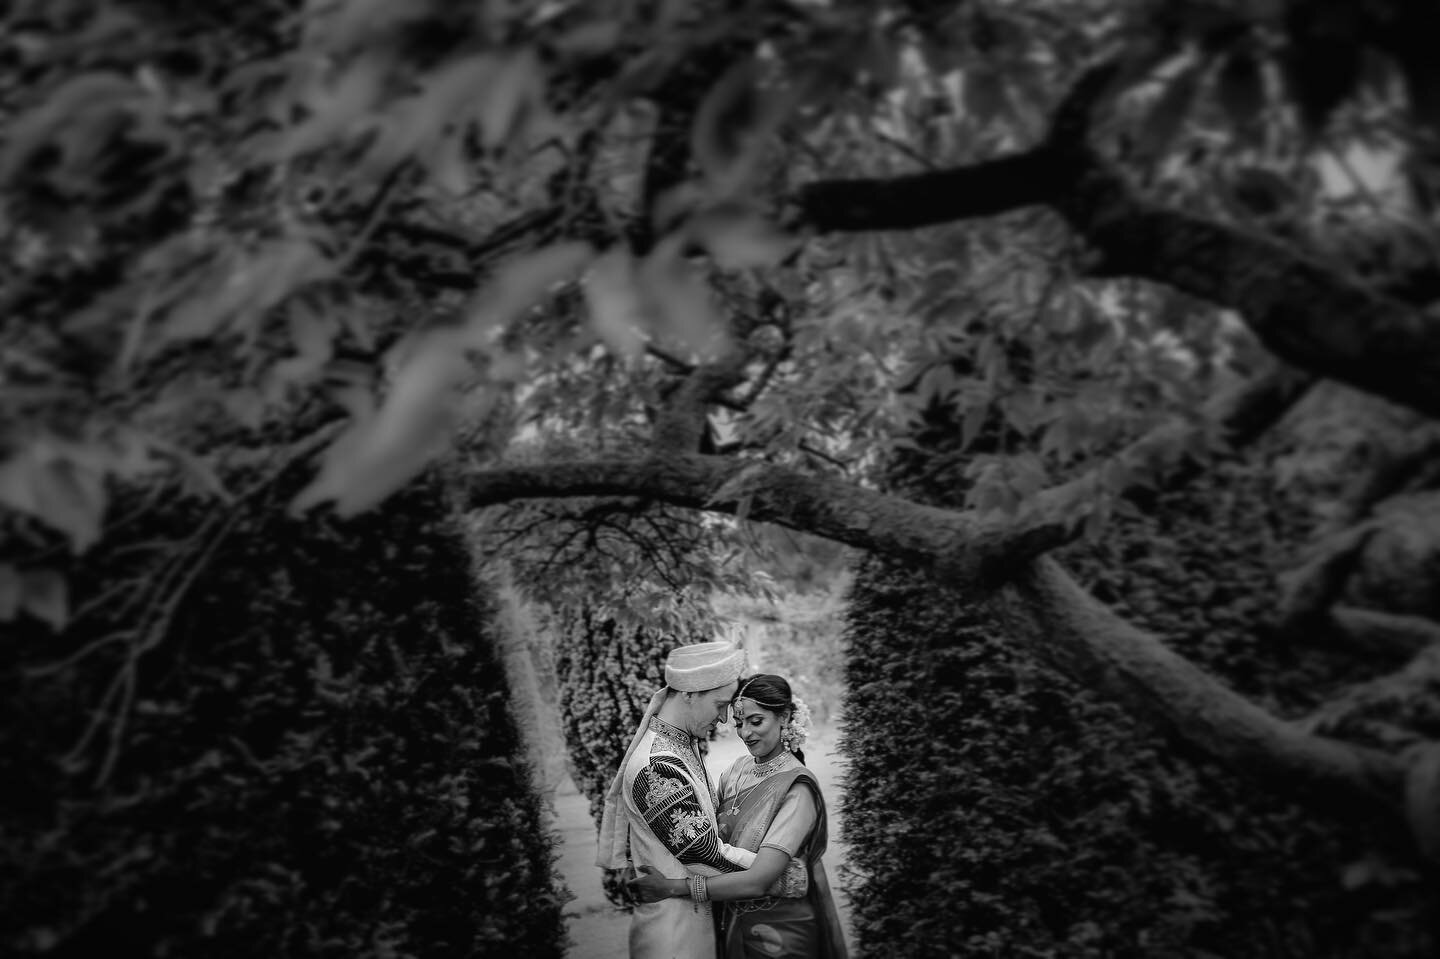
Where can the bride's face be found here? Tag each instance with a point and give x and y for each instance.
(759, 729)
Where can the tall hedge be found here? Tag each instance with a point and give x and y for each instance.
(994, 808)
(319, 761)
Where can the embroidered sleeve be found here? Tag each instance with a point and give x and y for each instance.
(793, 821)
(665, 796)
(793, 883)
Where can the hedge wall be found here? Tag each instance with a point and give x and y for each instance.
(993, 808)
(319, 761)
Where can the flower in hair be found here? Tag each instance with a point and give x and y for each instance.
(799, 725)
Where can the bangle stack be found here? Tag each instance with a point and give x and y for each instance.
(699, 891)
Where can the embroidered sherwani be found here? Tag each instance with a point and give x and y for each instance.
(670, 813)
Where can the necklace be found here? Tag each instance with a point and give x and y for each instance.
(780, 762)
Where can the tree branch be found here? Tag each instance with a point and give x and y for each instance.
(960, 546)
(681, 421)
(1067, 628)
(926, 199)
(1052, 614)
(1157, 460)
(1303, 311)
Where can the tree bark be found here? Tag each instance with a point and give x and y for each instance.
(1067, 628)
(1308, 313)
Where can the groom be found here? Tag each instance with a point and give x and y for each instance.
(660, 809)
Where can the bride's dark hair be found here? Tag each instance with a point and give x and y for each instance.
(772, 694)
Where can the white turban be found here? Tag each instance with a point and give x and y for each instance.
(689, 669)
(693, 668)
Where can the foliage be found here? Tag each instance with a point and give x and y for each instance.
(1036, 819)
(316, 758)
(797, 636)
(222, 218)
(379, 227)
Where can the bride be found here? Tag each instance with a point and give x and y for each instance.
(770, 804)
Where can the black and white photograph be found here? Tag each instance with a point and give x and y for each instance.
(720, 479)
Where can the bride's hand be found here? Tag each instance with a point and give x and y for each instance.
(647, 886)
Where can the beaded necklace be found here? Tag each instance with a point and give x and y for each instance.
(782, 761)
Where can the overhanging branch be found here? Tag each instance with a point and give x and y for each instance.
(1307, 313)
(1052, 614)
(1064, 626)
(958, 546)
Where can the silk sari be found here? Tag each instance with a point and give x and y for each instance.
(803, 928)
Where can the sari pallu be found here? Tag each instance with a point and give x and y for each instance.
(804, 928)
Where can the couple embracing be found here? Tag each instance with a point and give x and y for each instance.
(726, 873)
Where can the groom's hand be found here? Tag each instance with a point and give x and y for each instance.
(646, 886)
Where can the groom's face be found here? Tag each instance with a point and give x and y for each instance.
(710, 707)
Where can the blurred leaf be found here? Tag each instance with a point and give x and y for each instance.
(614, 300)
(78, 115)
(44, 594)
(734, 124)
(739, 237)
(517, 87)
(374, 457)
(238, 291)
(681, 300)
(724, 121)
(1169, 112)
(334, 109)
(519, 284)
(46, 483)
